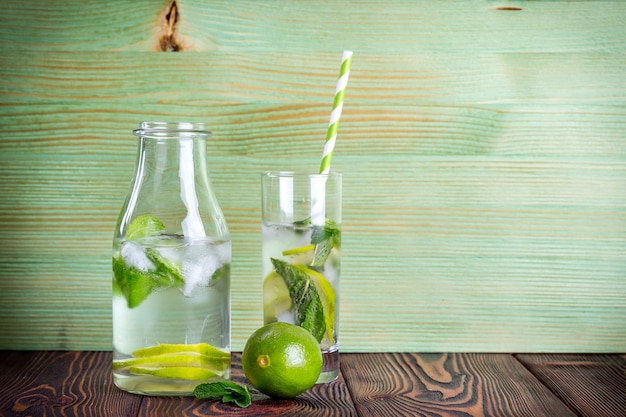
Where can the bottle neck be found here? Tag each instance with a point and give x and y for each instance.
(172, 157)
(175, 169)
(171, 183)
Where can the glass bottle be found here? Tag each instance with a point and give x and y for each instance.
(171, 268)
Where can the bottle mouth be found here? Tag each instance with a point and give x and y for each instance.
(172, 130)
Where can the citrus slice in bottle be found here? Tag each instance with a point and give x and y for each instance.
(176, 372)
(165, 348)
(185, 359)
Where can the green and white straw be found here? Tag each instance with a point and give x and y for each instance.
(335, 115)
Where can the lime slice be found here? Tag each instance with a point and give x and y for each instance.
(301, 255)
(166, 348)
(186, 359)
(327, 296)
(297, 251)
(276, 298)
(144, 226)
(176, 372)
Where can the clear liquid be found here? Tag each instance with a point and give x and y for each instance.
(278, 238)
(197, 312)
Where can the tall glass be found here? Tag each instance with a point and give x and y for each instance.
(301, 256)
(171, 268)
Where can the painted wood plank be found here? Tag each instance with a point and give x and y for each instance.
(447, 385)
(485, 175)
(514, 270)
(591, 385)
(384, 26)
(493, 81)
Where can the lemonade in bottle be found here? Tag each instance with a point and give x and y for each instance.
(171, 269)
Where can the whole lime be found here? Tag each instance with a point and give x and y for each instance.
(282, 360)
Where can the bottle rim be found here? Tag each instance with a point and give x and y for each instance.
(173, 130)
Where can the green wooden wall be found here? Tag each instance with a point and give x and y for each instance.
(483, 146)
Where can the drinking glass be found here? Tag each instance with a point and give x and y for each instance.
(302, 256)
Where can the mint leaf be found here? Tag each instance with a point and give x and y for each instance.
(329, 231)
(226, 391)
(167, 271)
(305, 300)
(324, 238)
(133, 283)
(144, 226)
(304, 222)
(136, 285)
(322, 251)
(221, 272)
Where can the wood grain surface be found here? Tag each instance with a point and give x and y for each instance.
(61, 383)
(598, 382)
(54, 383)
(447, 385)
(483, 146)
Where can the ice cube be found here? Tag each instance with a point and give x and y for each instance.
(134, 256)
(223, 251)
(198, 265)
(170, 253)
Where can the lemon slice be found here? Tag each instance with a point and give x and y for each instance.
(327, 297)
(176, 372)
(187, 359)
(298, 251)
(303, 255)
(276, 298)
(165, 348)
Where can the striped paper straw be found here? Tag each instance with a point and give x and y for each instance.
(335, 115)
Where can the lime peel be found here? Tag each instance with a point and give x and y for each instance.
(263, 361)
(294, 356)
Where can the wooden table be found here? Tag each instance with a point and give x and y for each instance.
(56, 383)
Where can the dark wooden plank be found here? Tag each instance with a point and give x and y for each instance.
(322, 400)
(592, 385)
(61, 384)
(408, 384)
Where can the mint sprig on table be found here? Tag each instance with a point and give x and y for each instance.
(226, 391)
